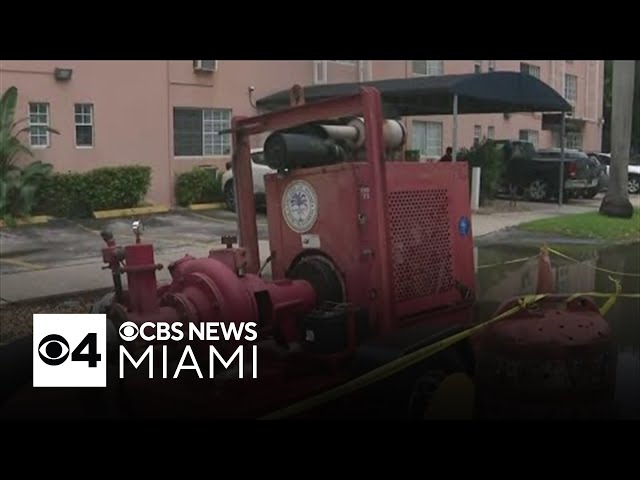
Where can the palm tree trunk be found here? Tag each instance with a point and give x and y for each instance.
(616, 202)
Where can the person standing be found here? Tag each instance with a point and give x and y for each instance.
(448, 156)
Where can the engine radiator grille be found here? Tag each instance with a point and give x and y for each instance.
(421, 243)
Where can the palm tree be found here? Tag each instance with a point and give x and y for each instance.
(18, 185)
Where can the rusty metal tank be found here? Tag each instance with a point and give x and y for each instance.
(553, 360)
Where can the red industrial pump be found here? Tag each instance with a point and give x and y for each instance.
(371, 259)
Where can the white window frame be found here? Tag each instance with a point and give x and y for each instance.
(221, 124)
(492, 65)
(477, 133)
(209, 137)
(365, 70)
(431, 68)
(491, 132)
(83, 124)
(477, 66)
(320, 72)
(47, 134)
(572, 99)
(533, 136)
(574, 140)
(429, 151)
(533, 70)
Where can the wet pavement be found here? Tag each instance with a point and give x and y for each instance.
(64, 242)
(496, 284)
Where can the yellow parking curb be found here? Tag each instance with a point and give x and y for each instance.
(127, 212)
(206, 206)
(36, 220)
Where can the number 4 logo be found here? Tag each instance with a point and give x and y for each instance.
(90, 343)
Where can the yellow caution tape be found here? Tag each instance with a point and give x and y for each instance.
(611, 297)
(567, 257)
(423, 353)
(609, 303)
(560, 254)
(395, 365)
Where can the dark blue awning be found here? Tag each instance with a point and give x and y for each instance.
(493, 92)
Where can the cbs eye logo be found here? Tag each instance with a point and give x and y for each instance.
(128, 331)
(54, 350)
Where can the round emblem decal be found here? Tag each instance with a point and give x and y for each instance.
(464, 225)
(300, 206)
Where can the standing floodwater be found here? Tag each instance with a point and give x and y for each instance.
(498, 283)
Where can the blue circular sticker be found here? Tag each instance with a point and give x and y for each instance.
(464, 225)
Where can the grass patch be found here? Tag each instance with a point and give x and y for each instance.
(591, 225)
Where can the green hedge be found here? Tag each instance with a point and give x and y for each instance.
(199, 185)
(81, 194)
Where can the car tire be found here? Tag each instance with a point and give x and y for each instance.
(591, 193)
(229, 197)
(537, 191)
(633, 186)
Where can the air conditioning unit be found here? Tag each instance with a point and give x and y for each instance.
(205, 65)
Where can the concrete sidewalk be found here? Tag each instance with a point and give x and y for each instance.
(88, 276)
(86, 273)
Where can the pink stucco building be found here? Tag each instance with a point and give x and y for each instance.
(164, 113)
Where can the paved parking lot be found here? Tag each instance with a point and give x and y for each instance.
(64, 242)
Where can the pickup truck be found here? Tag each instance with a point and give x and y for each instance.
(633, 185)
(534, 174)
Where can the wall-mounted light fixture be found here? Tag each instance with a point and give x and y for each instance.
(63, 74)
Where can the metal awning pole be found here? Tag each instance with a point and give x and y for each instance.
(455, 127)
(561, 184)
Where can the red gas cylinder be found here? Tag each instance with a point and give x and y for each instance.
(555, 359)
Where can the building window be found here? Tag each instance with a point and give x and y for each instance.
(574, 140)
(531, 136)
(84, 124)
(427, 137)
(533, 70)
(477, 66)
(39, 125)
(428, 67)
(492, 65)
(195, 132)
(491, 132)
(319, 71)
(571, 88)
(477, 134)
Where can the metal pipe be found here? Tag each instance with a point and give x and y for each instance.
(371, 101)
(393, 133)
(562, 134)
(245, 199)
(455, 127)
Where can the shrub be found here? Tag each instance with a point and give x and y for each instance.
(491, 161)
(80, 194)
(199, 185)
(117, 187)
(19, 189)
(63, 195)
